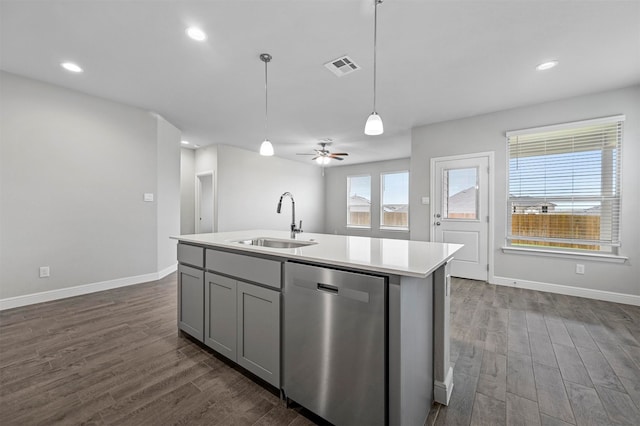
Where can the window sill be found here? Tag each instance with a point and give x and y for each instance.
(600, 257)
(358, 227)
(394, 229)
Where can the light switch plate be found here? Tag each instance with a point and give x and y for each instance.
(148, 196)
(44, 272)
(425, 200)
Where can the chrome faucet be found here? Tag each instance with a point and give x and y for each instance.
(294, 230)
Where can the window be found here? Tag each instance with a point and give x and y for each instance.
(359, 201)
(460, 193)
(395, 200)
(564, 186)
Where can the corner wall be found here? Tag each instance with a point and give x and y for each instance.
(187, 191)
(487, 133)
(168, 193)
(73, 171)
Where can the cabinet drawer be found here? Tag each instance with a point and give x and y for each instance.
(263, 271)
(191, 255)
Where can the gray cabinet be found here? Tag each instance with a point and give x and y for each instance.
(242, 322)
(220, 314)
(235, 318)
(190, 301)
(259, 331)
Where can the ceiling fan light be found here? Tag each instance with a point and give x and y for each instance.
(323, 161)
(266, 149)
(374, 125)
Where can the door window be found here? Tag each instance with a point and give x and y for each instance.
(460, 193)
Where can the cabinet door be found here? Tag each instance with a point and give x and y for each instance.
(191, 301)
(259, 331)
(220, 314)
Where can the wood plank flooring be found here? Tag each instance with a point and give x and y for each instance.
(115, 357)
(524, 357)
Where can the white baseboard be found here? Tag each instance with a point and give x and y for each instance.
(63, 293)
(166, 271)
(442, 390)
(609, 296)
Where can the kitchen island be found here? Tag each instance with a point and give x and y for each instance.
(292, 312)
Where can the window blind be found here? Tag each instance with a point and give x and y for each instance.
(564, 185)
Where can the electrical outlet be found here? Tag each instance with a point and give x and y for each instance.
(579, 269)
(44, 272)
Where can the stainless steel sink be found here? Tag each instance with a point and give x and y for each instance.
(275, 243)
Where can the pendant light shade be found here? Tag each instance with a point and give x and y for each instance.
(266, 149)
(374, 126)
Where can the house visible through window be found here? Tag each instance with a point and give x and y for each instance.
(359, 201)
(395, 200)
(564, 186)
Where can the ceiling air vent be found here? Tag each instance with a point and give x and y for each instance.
(342, 66)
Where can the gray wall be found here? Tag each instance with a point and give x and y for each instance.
(249, 186)
(73, 171)
(336, 198)
(187, 191)
(206, 160)
(487, 133)
(168, 192)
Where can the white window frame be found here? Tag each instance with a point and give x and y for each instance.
(348, 205)
(391, 227)
(614, 244)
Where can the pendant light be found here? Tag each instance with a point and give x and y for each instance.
(266, 148)
(374, 122)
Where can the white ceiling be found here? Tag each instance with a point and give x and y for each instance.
(437, 60)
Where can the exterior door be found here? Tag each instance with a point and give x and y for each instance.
(460, 211)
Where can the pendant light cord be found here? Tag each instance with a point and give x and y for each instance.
(266, 97)
(375, 44)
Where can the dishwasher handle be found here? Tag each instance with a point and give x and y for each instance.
(328, 288)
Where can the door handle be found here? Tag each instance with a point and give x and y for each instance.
(328, 288)
(437, 223)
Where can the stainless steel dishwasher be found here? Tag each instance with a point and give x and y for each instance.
(335, 332)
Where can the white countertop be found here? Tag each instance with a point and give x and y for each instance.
(397, 257)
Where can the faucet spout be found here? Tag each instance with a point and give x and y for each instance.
(294, 230)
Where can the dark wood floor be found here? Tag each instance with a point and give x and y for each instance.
(521, 357)
(531, 358)
(115, 357)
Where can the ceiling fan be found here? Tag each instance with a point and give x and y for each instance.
(324, 156)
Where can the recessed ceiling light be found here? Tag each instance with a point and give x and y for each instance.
(196, 33)
(70, 66)
(546, 65)
(185, 142)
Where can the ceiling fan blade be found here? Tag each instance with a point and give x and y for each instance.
(336, 158)
(315, 158)
(339, 153)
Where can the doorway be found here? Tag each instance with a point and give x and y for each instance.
(204, 220)
(461, 194)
